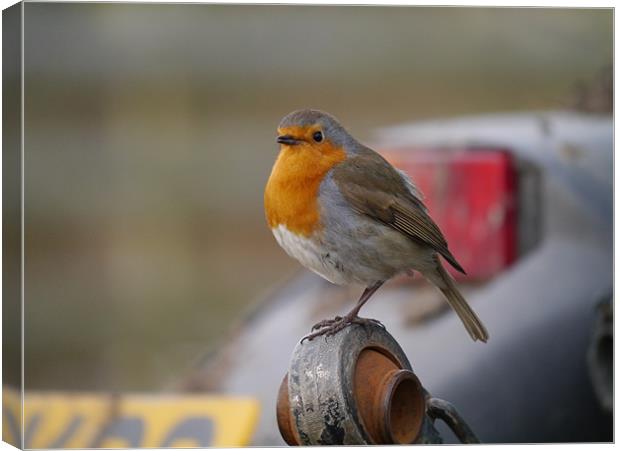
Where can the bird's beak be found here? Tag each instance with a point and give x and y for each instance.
(287, 139)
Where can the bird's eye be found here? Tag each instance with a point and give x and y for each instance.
(318, 136)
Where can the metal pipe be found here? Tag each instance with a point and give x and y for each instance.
(358, 388)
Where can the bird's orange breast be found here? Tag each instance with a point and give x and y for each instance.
(291, 195)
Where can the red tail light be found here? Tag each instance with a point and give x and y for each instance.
(472, 195)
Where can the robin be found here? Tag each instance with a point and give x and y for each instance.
(347, 214)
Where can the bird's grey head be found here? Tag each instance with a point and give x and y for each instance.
(324, 125)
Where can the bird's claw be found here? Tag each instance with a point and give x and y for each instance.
(366, 321)
(326, 323)
(329, 327)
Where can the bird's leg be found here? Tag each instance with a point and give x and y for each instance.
(331, 326)
(368, 292)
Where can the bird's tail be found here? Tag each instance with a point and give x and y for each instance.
(446, 284)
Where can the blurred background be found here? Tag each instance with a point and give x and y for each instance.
(149, 136)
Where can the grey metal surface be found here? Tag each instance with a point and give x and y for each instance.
(530, 382)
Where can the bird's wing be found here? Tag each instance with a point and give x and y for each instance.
(374, 188)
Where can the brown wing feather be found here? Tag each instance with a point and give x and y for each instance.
(374, 188)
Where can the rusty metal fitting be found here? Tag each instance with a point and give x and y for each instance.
(353, 388)
(390, 399)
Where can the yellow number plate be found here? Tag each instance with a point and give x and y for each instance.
(90, 420)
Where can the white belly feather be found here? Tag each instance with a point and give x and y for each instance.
(309, 254)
